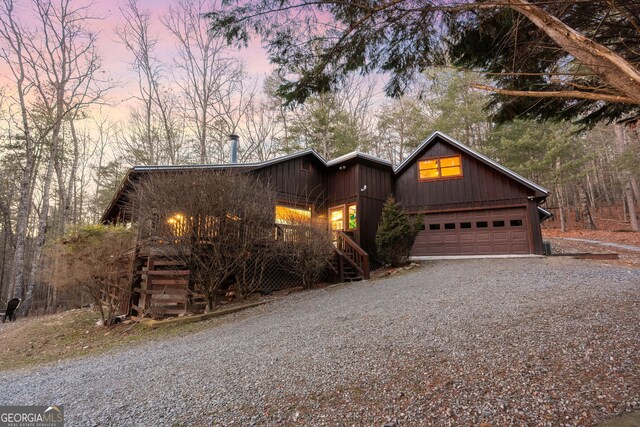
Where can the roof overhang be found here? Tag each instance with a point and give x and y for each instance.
(544, 214)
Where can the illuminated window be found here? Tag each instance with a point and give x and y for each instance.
(441, 167)
(336, 218)
(353, 216)
(292, 216)
(178, 224)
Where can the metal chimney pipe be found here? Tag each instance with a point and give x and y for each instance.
(233, 139)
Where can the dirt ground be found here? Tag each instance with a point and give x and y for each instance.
(626, 258)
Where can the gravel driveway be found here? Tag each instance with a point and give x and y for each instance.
(507, 342)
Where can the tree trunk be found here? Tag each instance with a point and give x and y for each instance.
(585, 212)
(22, 219)
(36, 260)
(635, 187)
(563, 222)
(633, 218)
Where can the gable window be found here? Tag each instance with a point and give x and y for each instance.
(439, 168)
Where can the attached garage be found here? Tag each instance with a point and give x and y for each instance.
(475, 232)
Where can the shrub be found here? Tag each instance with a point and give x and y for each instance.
(396, 234)
(219, 224)
(309, 255)
(97, 259)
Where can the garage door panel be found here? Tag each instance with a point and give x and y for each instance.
(483, 249)
(520, 248)
(500, 236)
(450, 238)
(501, 248)
(467, 237)
(518, 235)
(467, 249)
(483, 237)
(490, 232)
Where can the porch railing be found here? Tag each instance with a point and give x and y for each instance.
(354, 254)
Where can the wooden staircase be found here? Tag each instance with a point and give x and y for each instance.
(162, 287)
(351, 262)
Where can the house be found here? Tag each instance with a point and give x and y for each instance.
(471, 204)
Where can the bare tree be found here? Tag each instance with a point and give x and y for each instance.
(211, 81)
(65, 63)
(214, 222)
(263, 134)
(14, 55)
(156, 122)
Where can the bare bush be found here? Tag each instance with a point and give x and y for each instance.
(97, 260)
(218, 223)
(305, 248)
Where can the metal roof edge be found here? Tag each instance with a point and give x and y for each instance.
(355, 154)
(297, 154)
(545, 212)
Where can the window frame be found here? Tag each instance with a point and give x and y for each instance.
(345, 215)
(439, 168)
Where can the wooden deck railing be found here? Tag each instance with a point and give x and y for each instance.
(354, 254)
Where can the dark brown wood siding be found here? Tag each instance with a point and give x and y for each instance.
(480, 185)
(536, 230)
(342, 185)
(293, 184)
(371, 200)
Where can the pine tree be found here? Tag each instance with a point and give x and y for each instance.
(396, 234)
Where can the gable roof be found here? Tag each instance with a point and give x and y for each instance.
(311, 152)
(473, 153)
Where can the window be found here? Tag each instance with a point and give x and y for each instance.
(498, 223)
(434, 226)
(292, 216)
(178, 224)
(306, 165)
(482, 224)
(336, 218)
(515, 223)
(450, 226)
(465, 225)
(352, 216)
(440, 168)
(344, 217)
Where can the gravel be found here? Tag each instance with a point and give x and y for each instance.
(504, 342)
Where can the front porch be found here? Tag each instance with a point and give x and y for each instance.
(164, 286)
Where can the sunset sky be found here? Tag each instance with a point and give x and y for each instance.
(116, 59)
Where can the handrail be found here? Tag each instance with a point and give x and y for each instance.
(353, 253)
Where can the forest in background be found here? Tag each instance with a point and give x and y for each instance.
(66, 143)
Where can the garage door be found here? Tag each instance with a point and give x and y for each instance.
(486, 232)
